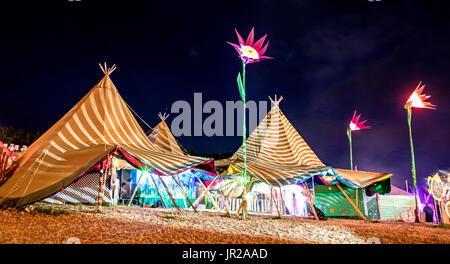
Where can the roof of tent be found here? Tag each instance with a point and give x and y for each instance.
(163, 139)
(97, 125)
(277, 154)
(398, 191)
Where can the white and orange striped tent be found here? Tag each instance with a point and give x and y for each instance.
(99, 124)
(278, 155)
(163, 139)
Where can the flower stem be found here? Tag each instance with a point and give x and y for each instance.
(413, 169)
(349, 135)
(244, 145)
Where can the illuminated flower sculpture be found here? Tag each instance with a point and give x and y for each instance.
(249, 52)
(416, 100)
(354, 126)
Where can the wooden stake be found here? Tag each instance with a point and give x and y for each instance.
(247, 188)
(313, 206)
(184, 194)
(228, 199)
(135, 189)
(159, 193)
(170, 195)
(357, 198)
(282, 207)
(205, 191)
(378, 207)
(274, 202)
(351, 202)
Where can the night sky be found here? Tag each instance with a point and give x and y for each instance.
(331, 57)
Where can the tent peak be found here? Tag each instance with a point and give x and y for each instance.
(277, 101)
(107, 71)
(163, 116)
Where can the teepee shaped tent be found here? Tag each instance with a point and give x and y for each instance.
(99, 124)
(163, 139)
(278, 155)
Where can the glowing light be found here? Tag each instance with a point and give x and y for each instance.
(355, 124)
(250, 51)
(418, 100)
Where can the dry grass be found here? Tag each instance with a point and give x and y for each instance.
(56, 223)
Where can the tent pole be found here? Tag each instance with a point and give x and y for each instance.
(378, 207)
(313, 206)
(282, 205)
(213, 201)
(101, 185)
(100, 195)
(313, 191)
(351, 202)
(356, 199)
(184, 194)
(274, 202)
(206, 189)
(227, 212)
(159, 193)
(170, 195)
(135, 189)
(242, 205)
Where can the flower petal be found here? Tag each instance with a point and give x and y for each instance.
(258, 44)
(263, 50)
(250, 37)
(240, 39)
(236, 47)
(265, 57)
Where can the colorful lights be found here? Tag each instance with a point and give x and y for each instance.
(248, 51)
(418, 100)
(354, 125)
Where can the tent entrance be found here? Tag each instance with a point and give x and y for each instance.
(149, 188)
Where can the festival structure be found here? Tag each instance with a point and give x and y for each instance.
(439, 188)
(249, 52)
(187, 186)
(278, 156)
(416, 100)
(83, 142)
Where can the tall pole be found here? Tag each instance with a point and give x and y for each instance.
(349, 135)
(416, 211)
(244, 145)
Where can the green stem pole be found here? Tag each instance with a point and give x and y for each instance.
(416, 211)
(244, 144)
(349, 135)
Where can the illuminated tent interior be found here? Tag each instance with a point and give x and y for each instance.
(81, 146)
(148, 186)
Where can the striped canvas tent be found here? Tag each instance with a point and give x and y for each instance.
(99, 124)
(277, 154)
(163, 139)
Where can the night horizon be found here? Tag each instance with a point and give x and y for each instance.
(329, 60)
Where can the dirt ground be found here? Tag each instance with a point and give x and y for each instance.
(58, 223)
